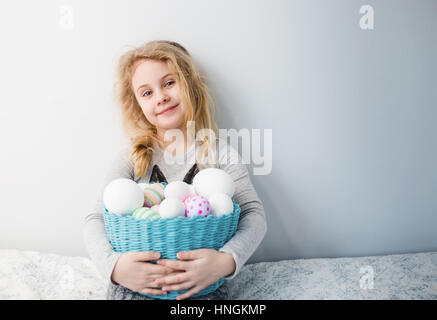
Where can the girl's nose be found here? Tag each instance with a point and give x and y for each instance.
(163, 99)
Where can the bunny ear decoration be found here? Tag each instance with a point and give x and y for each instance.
(157, 175)
(190, 174)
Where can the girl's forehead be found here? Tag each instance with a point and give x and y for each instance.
(147, 71)
(151, 68)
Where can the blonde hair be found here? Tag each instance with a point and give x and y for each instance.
(194, 92)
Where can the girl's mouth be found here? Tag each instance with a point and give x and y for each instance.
(167, 110)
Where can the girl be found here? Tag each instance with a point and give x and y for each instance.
(160, 89)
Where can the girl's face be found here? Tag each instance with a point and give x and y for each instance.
(157, 92)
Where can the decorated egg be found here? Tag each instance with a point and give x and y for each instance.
(197, 206)
(171, 208)
(177, 189)
(186, 201)
(146, 213)
(153, 193)
(122, 196)
(221, 204)
(210, 181)
(192, 190)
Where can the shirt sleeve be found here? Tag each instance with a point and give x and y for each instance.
(96, 242)
(252, 225)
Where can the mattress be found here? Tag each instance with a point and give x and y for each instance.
(37, 275)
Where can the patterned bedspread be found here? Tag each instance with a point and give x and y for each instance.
(36, 275)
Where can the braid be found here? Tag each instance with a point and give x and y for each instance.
(142, 146)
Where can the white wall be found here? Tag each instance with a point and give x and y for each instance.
(352, 114)
(59, 121)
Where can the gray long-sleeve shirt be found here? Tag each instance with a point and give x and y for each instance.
(251, 226)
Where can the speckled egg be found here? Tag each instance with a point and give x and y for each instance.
(197, 206)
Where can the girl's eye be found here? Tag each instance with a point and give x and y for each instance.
(170, 82)
(145, 93)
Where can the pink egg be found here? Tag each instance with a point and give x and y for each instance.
(197, 206)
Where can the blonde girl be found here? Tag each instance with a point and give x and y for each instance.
(159, 89)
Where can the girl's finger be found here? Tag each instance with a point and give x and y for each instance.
(189, 293)
(151, 280)
(178, 265)
(171, 274)
(163, 272)
(174, 279)
(153, 291)
(145, 255)
(157, 269)
(191, 255)
(179, 286)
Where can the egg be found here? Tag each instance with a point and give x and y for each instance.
(146, 213)
(122, 196)
(210, 181)
(153, 193)
(197, 206)
(171, 208)
(177, 189)
(221, 204)
(192, 190)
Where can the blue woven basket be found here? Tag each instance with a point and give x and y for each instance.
(170, 236)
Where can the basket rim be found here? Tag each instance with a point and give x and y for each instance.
(129, 216)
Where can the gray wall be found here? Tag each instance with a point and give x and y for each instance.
(355, 145)
(352, 113)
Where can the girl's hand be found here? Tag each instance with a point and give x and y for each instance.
(134, 272)
(201, 267)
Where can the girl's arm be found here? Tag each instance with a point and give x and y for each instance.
(252, 224)
(130, 269)
(96, 242)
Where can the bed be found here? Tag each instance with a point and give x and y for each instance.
(36, 275)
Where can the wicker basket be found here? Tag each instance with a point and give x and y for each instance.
(170, 236)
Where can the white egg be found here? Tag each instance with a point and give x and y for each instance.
(122, 196)
(177, 189)
(221, 204)
(192, 191)
(143, 185)
(210, 181)
(171, 208)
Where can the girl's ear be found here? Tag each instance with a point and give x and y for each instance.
(157, 175)
(190, 174)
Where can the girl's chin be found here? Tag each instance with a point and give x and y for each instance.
(170, 123)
